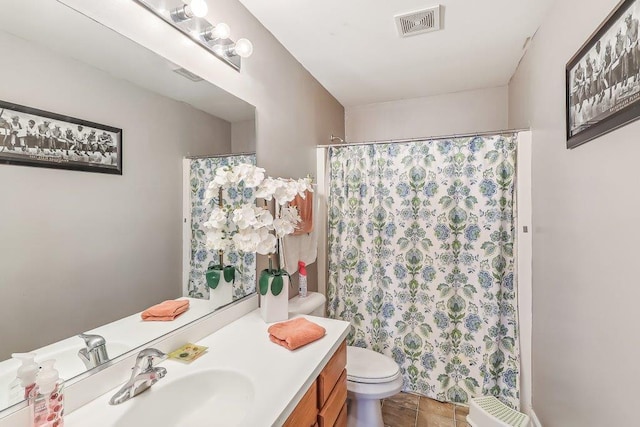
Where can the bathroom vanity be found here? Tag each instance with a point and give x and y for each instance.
(325, 402)
(243, 379)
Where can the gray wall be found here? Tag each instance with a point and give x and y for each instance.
(585, 208)
(82, 249)
(461, 112)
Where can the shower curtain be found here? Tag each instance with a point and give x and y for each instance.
(201, 173)
(421, 261)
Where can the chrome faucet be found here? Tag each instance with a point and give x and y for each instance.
(143, 375)
(95, 353)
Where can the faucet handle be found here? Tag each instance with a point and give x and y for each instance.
(92, 341)
(145, 358)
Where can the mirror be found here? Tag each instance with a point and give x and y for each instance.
(87, 252)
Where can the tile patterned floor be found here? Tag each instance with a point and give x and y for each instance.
(410, 410)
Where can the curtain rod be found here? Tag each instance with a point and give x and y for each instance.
(215, 156)
(430, 138)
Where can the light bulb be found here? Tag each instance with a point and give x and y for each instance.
(243, 48)
(199, 8)
(220, 31)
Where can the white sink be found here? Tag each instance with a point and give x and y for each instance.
(211, 397)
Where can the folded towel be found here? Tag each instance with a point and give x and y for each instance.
(305, 209)
(295, 333)
(167, 310)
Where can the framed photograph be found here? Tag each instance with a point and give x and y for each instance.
(33, 137)
(603, 78)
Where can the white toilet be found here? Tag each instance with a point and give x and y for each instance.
(371, 376)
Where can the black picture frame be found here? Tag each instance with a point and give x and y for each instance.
(45, 139)
(603, 78)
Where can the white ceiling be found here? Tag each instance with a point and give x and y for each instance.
(61, 29)
(352, 47)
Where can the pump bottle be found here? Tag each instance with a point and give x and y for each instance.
(47, 398)
(25, 380)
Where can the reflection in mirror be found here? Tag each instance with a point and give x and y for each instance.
(86, 252)
(225, 275)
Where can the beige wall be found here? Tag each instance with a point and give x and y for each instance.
(82, 249)
(243, 136)
(294, 112)
(585, 209)
(461, 112)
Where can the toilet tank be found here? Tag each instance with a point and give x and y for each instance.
(312, 304)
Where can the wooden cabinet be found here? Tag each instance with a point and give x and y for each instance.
(329, 376)
(329, 412)
(325, 403)
(306, 413)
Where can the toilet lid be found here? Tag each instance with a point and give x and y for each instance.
(370, 367)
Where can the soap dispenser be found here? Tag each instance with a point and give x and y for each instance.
(25, 380)
(47, 399)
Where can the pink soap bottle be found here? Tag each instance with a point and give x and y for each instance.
(25, 381)
(47, 398)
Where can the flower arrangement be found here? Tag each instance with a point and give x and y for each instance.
(250, 228)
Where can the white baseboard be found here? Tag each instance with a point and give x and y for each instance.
(534, 418)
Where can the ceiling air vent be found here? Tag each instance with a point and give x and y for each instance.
(418, 22)
(188, 74)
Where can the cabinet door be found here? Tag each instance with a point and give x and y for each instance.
(331, 373)
(305, 414)
(342, 417)
(331, 410)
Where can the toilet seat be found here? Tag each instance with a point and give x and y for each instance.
(371, 376)
(366, 366)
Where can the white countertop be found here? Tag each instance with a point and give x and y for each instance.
(121, 336)
(280, 377)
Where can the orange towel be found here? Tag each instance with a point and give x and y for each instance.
(167, 310)
(305, 209)
(295, 333)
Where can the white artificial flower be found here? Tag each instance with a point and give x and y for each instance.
(266, 189)
(283, 227)
(304, 184)
(245, 216)
(216, 240)
(221, 179)
(285, 192)
(217, 219)
(246, 240)
(287, 221)
(212, 189)
(290, 213)
(267, 243)
(250, 175)
(264, 219)
(247, 228)
(234, 175)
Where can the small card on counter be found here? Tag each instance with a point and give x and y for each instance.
(188, 352)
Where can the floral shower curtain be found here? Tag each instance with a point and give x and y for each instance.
(201, 173)
(421, 261)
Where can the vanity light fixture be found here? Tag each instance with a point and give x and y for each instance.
(189, 18)
(243, 48)
(197, 8)
(228, 49)
(216, 32)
